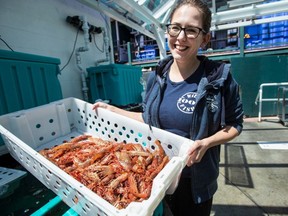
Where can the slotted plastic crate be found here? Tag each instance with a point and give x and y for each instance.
(119, 84)
(28, 131)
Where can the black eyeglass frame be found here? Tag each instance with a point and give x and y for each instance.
(184, 29)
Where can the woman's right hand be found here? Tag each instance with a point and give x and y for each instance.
(102, 105)
(134, 115)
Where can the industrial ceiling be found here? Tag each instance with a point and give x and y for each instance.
(149, 16)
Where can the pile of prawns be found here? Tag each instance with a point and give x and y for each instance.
(120, 173)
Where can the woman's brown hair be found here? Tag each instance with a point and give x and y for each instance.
(202, 7)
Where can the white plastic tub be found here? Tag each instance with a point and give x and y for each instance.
(28, 131)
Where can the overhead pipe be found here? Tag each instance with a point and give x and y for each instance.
(102, 8)
(248, 12)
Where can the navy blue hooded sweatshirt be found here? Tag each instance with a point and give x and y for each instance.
(218, 104)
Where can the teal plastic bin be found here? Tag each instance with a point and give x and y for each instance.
(159, 211)
(119, 84)
(27, 81)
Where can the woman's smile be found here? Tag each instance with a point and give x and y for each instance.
(180, 48)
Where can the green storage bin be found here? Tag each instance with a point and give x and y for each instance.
(119, 84)
(27, 81)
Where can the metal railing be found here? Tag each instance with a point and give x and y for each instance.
(261, 99)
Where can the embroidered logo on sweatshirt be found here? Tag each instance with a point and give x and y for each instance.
(212, 103)
(186, 103)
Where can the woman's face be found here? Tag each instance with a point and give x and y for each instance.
(181, 47)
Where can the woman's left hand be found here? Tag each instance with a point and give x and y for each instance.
(197, 151)
(199, 147)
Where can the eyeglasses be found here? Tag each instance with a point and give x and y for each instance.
(190, 32)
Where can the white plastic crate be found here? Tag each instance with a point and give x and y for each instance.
(28, 131)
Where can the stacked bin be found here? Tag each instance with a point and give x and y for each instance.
(254, 32)
(265, 33)
(277, 31)
(274, 33)
(286, 31)
(119, 84)
(149, 53)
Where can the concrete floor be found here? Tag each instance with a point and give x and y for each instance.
(253, 180)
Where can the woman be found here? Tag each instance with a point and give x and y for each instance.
(194, 97)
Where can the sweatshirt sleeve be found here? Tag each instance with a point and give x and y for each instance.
(233, 105)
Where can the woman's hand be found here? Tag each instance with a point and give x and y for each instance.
(102, 105)
(197, 151)
(134, 115)
(199, 147)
